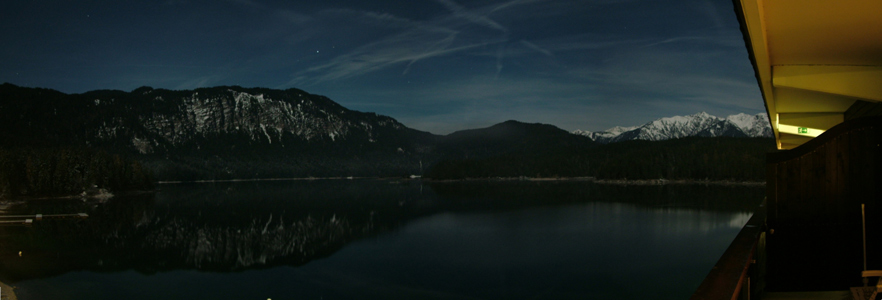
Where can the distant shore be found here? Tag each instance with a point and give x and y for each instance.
(522, 178)
(611, 181)
(679, 181)
(103, 195)
(268, 179)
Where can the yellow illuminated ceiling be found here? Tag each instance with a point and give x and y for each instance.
(813, 60)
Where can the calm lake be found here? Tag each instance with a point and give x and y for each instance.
(378, 239)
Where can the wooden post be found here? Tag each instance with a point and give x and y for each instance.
(864, 231)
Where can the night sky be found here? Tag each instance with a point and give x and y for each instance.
(438, 66)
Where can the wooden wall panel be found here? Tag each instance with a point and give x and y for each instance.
(814, 196)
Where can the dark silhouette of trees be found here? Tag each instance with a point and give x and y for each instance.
(38, 172)
(719, 158)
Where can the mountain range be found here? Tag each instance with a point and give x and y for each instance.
(215, 133)
(156, 121)
(229, 132)
(701, 124)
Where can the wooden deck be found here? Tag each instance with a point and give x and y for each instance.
(810, 242)
(824, 295)
(738, 274)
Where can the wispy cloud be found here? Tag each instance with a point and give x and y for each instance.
(249, 3)
(199, 81)
(709, 9)
(460, 30)
(719, 38)
(415, 41)
(587, 41)
(294, 17)
(513, 4)
(472, 16)
(406, 48)
(387, 20)
(536, 47)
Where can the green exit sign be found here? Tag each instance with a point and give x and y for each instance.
(802, 130)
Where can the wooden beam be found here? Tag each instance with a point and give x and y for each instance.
(789, 141)
(799, 130)
(821, 121)
(789, 100)
(754, 19)
(864, 82)
(871, 273)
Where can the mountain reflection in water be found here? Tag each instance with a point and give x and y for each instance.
(234, 227)
(211, 227)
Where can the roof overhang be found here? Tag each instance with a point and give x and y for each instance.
(813, 59)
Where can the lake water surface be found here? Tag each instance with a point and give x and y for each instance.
(378, 239)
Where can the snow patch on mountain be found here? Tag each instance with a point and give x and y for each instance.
(606, 134)
(754, 126)
(255, 115)
(700, 124)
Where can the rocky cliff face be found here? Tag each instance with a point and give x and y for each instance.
(209, 129)
(270, 118)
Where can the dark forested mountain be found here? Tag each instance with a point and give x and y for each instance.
(509, 149)
(509, 137)
(232, 132)
(156, 121)
(696, 147)
(219, 132)
(702, 158)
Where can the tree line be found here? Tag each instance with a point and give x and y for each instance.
(48, 172)
(700, 158)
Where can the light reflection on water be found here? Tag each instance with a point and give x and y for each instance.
(488, 241)
(690, 221)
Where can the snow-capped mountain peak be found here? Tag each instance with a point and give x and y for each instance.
(619, 129)
(741, 120)
(606, 134)
(699, 124)
(756, 125)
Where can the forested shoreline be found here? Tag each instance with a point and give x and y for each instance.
(59, 172)
(694, 158)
